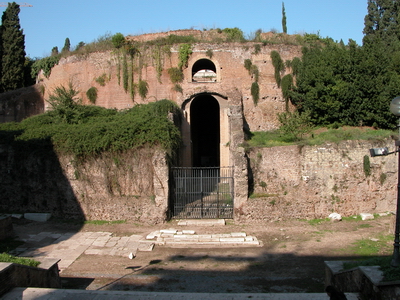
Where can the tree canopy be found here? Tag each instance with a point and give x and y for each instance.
(351, 84)
(12, 49)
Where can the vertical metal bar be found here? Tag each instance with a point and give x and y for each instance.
(201, 192)
(218, 183)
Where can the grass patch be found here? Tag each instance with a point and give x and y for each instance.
(366, 225)
(4, 257)
(317, 221)
(368, 247)
(262, 195)
(102, 222)
(318, 136)
(389, 273)
(352, 218)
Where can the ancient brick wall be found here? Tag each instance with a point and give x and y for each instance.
(20, 104)
(82, 71)
(126, 186)
(290, 182)
(314, 181)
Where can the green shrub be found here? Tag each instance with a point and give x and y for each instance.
(279, 66)
(96, 130)
(175, 74)
(255, 92)
(287, 85)
(125, 73)
(209, 53)
(45, 64)
(143, 88)
(247, 64)
(102, 79)
(294, 125)
(91, 93)
(234, 34)
(171, 40)
(63, 102)
(366, 166)
(118, 40)
(254, 72)
(185, 50)
(178, 88)
(382, 178)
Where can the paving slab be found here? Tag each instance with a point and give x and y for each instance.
(202, 222)
(46, 294)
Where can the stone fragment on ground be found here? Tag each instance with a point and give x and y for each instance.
(335, 217)
(366, 216)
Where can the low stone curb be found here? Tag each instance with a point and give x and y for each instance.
(188, 238)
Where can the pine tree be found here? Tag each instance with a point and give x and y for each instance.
(284, 27)
(67, 46)
(382, 21)
(12, 49)
(54, 51)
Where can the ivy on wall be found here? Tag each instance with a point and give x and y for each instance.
(255, 74)
(92, 94)
(279, 66)
(185, 50)
(287, 85)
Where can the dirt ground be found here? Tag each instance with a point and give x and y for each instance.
(290, 259)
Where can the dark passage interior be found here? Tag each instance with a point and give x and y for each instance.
(204, 123)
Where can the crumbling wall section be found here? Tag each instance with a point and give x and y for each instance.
(122, 186)
(309, 182)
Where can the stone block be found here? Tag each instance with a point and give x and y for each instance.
(238, 234)
(231, 240)
(39, 217)
(366, 216)
(168, 231)
(188, 232)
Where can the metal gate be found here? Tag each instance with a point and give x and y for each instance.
(202, 193)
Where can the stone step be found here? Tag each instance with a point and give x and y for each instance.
(188, 238)
(46, 294)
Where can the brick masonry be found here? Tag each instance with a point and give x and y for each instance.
(314, 181)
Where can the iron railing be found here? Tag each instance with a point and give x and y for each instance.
(202, 193)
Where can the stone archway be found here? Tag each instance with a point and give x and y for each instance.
(205, 131)
(204, 70)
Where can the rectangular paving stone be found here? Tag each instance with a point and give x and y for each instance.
(209, 240)
(188, 232)
(204, 236)
(231, 240)
(92, 251)
(135, 237)
(110, 244)
(144, 247)
(238, 234)
(172, 231)
(222, 235)
(167, 235)
(185, 236)
(153, 235)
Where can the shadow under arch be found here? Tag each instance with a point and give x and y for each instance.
(205, 131)
(188, 100)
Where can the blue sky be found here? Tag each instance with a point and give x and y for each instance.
(49, 22)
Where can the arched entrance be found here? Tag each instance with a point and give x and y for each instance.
(203, 188)
(205, 131)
